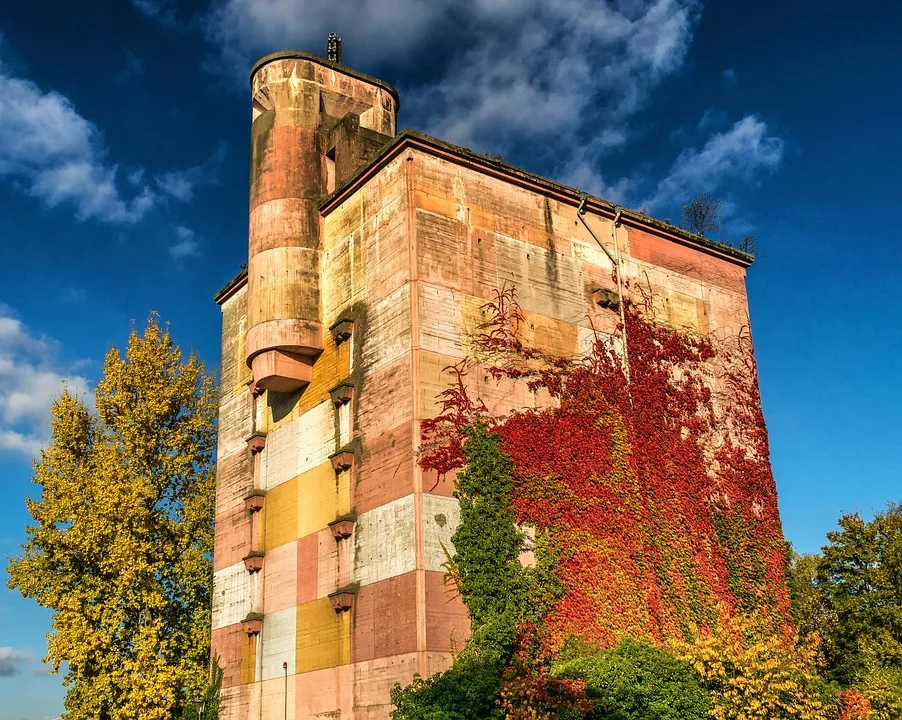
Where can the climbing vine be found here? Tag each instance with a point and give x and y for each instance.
(648, 488)
(661, 510)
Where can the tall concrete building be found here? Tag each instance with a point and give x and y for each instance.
(370, 254)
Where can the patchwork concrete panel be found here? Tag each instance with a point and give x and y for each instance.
(385, 400)
(234, 373)
(385, 619)
(328, 563)
(299, 445)
(278, 643)
(249, 645)
(441, 517)
(277, 697)
(280, 576)
(280, 514)
(323, 496)
(384, 545)
(234, 425)
(439, 244)
(325, 693)
(323, 636)
(389, 329)
(232, 537)
(386, 471)
(308, 569)
(547, 282)
(233, 480)
(441, 320)
(373, 679)
(233, 595)
(447, 622)
(239, 703)
(686, 261)
(226, 643)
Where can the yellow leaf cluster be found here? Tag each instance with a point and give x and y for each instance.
(120, 547)
(755, 673)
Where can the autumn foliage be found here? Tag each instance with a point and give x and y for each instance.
(122, 533)
(649, 472)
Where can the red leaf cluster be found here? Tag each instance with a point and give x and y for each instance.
(650, 475)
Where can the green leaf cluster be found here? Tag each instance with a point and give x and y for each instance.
(860, 577)
(120, 547)
(635, 681)
(498, 591)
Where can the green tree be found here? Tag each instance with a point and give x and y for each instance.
(122, 537)
(809, 605)
(861, 578)
(498, 591)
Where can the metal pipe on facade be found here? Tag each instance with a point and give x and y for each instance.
(615, 259)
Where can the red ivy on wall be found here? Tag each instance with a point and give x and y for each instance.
(652, 481)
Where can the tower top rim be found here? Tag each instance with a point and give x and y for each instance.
(338, 67)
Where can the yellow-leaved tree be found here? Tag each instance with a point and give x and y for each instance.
(120, 548)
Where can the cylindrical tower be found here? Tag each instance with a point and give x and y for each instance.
(298, 98)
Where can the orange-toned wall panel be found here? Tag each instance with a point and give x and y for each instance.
(307, 568)
(385, 400)
(226, 645)
(686, 261)
(280, 574)
(447, 623)
(232, 537)
(385, 619)
(386, 470)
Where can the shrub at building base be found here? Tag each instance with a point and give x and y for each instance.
(635, 681)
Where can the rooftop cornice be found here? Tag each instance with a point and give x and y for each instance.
(411, 139)
(338, 67)
(231, 287)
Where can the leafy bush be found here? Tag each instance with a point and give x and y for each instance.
(635, 681)
(465, 691)
(882, 685)
(756, 673)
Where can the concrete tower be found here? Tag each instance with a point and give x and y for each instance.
(298, 99)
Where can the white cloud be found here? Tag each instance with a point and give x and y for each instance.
(550, 79)
(557, 85)
(186, 244)
(30, 380)
(181, 184)
(741, 152)
(58, 156)
(12, 661)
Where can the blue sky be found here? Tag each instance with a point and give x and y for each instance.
(123, 189)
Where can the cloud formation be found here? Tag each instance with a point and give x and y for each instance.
(58, 156)
(30, 381)
(742, 152)
(559, 80)
(555, 86)
(185, 245)
(12, 662)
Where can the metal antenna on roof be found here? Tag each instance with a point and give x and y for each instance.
(333, 48)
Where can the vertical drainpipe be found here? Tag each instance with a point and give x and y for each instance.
(615, 259)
